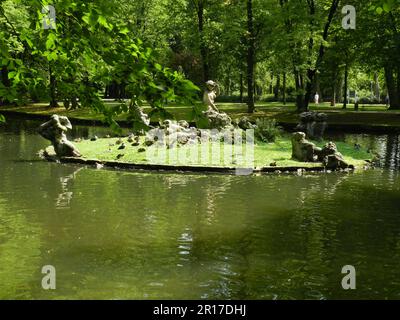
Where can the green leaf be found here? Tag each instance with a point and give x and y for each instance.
(103, 22)
(12, 74)
(379, 10)
(387, 7)
(124, 31)
(50, 42)
(2, 119)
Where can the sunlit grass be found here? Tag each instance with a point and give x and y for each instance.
(210, 154)
(368, 114)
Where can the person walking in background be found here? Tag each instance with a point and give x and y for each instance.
(316, 98)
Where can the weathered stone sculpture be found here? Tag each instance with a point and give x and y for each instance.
(216, 119)
(332, 158)
(306, 151)
(245, 124)
(313, 124)
(55, 130)
(140, 119)
(302, 149)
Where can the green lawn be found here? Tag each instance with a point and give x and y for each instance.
(280, 152)
(373, 115)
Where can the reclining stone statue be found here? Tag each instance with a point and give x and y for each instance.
(306, 151)
(55, 130)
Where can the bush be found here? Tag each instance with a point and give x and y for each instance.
(267, 130)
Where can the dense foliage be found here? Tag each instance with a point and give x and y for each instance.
(278, 50)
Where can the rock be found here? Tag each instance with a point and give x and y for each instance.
(122, 146)
(217, 120)
(149, 141)
(131, 138)
(99, 166)
(332, 158)
(306, 151)
(182, 138)
(184, 124)
(329, 149)
(313, 124)
(245, 124)
(335, 161)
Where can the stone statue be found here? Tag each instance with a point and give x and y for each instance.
(313, 124)
(332, 158)
(55, 130)
(141, 121)
(305, 151)
(216, 119)
(302, 149)
(210, 94)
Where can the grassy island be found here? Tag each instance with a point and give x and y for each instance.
(211, 154)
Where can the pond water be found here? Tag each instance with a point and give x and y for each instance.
(133, 235)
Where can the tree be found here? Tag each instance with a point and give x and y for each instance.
(307, 27)
(85, 34)
(381, 44)
(250, 56)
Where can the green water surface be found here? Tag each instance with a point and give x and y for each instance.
(136, 235)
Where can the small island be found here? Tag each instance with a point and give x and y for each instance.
(204, 155)
(215, 144)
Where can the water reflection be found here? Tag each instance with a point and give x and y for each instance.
(158, 236)
(65, 196)
(386, 147)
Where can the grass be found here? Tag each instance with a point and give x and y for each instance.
(373, 115)
(210, 154)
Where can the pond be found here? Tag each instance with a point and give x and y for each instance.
(137, 235)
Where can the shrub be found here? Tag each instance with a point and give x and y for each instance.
(267, 130)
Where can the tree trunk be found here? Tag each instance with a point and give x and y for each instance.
(277, 87)
(284, 89)
(298, 79)
(346, 84)
(377, 87)
(241, 87)
(250, 57)
(53, 89)
(271, 84)
(203, 47)
(393, 86)
(303, 106)
(334, 87)
(6, 83)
